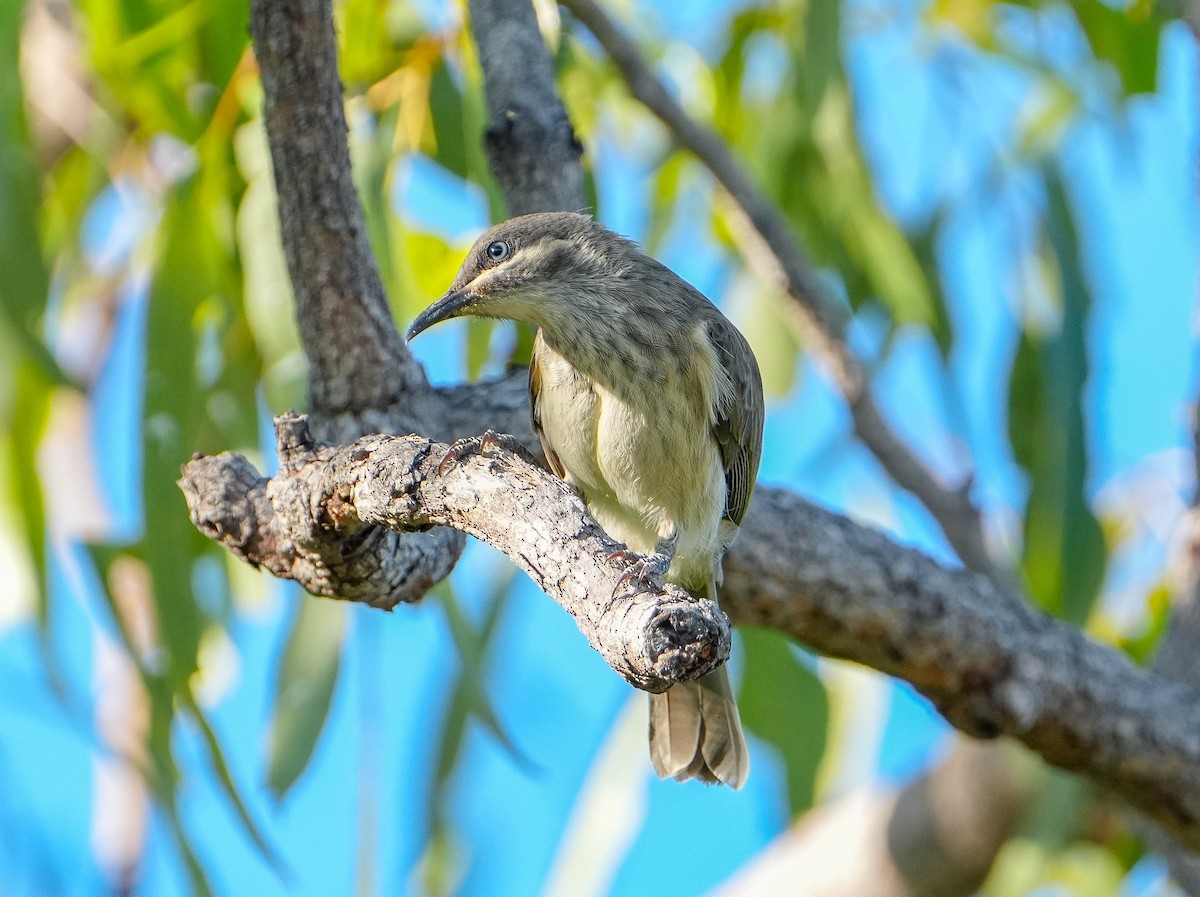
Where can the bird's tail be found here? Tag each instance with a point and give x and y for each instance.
(695, 732)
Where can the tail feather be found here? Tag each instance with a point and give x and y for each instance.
(696, 732)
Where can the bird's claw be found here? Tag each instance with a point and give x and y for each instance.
(642, 569)
(479, 445)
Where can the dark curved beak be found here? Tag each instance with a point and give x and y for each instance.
(449, 306)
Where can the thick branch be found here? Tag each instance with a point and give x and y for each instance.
(361, 376)
(529, 139)
(308, 522)
(356, 358)
(992, 664)
(951, 507)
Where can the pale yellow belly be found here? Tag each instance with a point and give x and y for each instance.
(644, 472)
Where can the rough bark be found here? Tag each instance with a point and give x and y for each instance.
(529, 140)
(309, 522)
(356, 358)
(362, 378)
(991, 663)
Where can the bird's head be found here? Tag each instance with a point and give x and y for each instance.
(534, 268)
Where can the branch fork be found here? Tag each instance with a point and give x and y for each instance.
(332, 517)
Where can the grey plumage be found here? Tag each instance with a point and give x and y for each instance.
(649, 400)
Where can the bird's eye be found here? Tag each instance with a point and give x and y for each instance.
(499, 251)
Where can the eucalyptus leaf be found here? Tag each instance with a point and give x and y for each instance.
(308, 674)
(1125, 36)
(1065, 553)
(216, 756)
(784, 703)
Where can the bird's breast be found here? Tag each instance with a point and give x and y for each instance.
(641, 452)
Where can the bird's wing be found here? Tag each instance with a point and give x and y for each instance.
(739, 417)
(535, 409)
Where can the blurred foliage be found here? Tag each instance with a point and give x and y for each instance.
(153, 199)
(1064, 546)
(783, 702)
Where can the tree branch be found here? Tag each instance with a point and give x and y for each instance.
(308, 523)
(356, 358)
(529, 140)
(992, 664)
(361, 376)
(824, 320)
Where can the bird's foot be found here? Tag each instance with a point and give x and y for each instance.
(480, 445)
(642, 569)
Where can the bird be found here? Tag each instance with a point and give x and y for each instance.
(648, 400)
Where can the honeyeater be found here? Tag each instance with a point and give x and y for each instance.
(649, 401)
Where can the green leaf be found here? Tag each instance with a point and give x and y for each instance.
(972, 18)
(443, 864)
(664, 190)
(730, 112)
(890, 265)
(479, 340)
(924, 247)
(424, 265)
(1143, 646)
(308, 673)
(26, 425)
(766, 327)
(469, 698)
(1127, 37)
(784, 703)
(522, 350)
(224, 775)
(371, 163)
(162, 775)
(1026, 402)
(70, 188)
(172, 417)
(147, 58)
(475, 122)
(1064, 553)
(449, 122)
(25, 286)
(1055, 816)
(222, 46)
(373, 38)
(1055, 107)
(822, 59)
